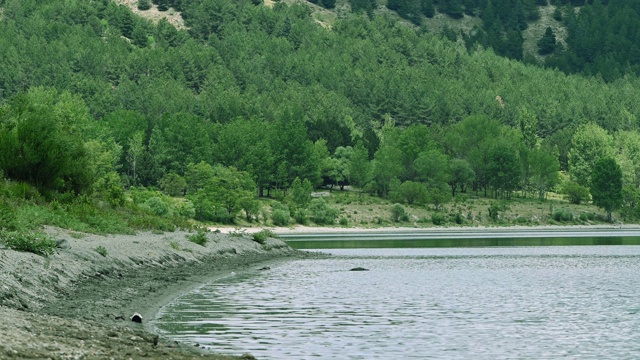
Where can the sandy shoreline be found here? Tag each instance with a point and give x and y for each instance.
(77, 303)
(301, 229)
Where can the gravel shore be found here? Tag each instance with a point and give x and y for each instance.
(77, 303)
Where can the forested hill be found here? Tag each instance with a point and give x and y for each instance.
(262, 89)
(591, 37)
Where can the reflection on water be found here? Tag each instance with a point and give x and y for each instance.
(472, 242)
(443, 303)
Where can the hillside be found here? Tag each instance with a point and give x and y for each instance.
(250, 100)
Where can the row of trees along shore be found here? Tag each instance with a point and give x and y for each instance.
(250, 100)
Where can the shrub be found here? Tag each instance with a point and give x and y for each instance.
(7, 216)
(261, 236)
(496, 210)
(301, 216)
(37, 243)
(321, 213)
(576, 193)
(344, 221)
(398, 213)
(157, 206)
(438, 218)
(101, 250)
(562, 215)
(144, 4)
(185, 209)
(280, 214)
(458, 218)
(199, 238)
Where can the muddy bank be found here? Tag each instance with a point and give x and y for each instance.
(78, 302)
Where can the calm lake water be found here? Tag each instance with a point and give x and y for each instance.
(542, 302)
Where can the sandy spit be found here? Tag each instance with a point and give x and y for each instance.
(77, 303)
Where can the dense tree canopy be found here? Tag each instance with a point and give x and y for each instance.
(249, 94)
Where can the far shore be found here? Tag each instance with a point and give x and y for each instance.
(302, 229)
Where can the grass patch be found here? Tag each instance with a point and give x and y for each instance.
(199, 238)
(261, 236)
(33, 242)
(101, 250)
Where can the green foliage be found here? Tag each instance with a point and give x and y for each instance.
(173, 184)
(110, 188)
(398, 213)
(630, 202)
(280, 214)
(497, 210)
(547, 43)
(202, 96)
(438, 218)
(438, 194)
(562, 215)
(576, 193)
(343, 221)
(38, 145)
(300, 193)
(301, 216)
(7, 216)
(33, 242)
(261, 236)
(458, 218)
(101, 250)
(606, 185)
(144, 4)
(321, 213)
(219, 193)
(414, 192)
(590, 143)
(156, 206)
(185, 209)
(199, 238)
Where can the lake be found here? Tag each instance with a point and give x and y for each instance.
(510, 302)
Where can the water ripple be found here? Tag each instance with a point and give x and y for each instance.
(496, 303)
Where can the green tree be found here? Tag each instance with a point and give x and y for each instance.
(300, 193)
(43, 146)
(173, 184)
(544, 167)
(219, 193)
(144, 4)
(575, 193)
(358, 167)
(503, 167)
(590, 143)
(606, 185)
(461, 175)
(432, 167)
(134, 155)
(547, 43)
(386, 165)
(414, 192)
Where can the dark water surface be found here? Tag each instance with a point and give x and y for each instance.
(542, 302)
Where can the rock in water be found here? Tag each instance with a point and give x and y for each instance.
(359, 269)
(136, 318)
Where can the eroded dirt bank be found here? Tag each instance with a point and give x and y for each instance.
(77, 303)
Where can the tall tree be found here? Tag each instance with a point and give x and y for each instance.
(590, 143)
(606, 185)
(547, 43)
